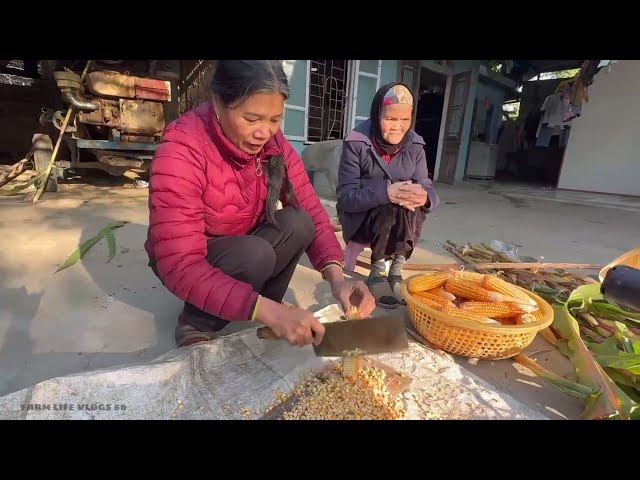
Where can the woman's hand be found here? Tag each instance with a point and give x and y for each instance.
(398, 193)
(407, 194)
(354, 294)
(299, 327)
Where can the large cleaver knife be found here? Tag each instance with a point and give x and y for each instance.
(369, 336)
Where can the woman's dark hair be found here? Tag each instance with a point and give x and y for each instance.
(232, 83)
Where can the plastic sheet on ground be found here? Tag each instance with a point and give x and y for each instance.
(234, 377)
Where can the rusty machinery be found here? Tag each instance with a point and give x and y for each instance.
(119, 119)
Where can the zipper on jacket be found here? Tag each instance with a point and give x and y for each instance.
(258, 167)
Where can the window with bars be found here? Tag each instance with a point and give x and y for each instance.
(315, 109)
(327, 93)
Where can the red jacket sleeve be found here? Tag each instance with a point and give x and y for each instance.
(176, 225)
(325, 247)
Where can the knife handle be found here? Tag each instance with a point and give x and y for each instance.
(265, 333)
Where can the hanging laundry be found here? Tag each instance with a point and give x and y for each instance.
(590, 71)
(552, 111)
(570, 111)
(557, 112)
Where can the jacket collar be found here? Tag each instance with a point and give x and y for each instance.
(230, 152)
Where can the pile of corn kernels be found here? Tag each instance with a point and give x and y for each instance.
(338, 398)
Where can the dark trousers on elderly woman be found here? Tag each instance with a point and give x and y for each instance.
(265, 258)
(392, 232)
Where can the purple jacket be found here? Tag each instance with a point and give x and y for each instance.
(363, 175)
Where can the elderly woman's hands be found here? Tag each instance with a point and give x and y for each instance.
(354, 294)
(407, 194)
(350, 294)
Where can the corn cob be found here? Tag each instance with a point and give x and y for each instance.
(472, 291)
(496, 284)
(470, 276)
(537, 314)
(428, 281)
(434, 301)
(496, 309)
(507, 320)
(525, 318)
(430, 303)
(441, 292)
(466, 315)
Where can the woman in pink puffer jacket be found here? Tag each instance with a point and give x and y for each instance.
(216, 238)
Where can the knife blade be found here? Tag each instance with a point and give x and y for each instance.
(368, 336)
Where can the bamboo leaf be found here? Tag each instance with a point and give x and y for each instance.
(111, 242)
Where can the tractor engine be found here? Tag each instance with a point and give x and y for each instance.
(116, 107)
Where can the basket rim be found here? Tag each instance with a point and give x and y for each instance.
(536, 326)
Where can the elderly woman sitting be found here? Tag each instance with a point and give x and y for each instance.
(384, 191)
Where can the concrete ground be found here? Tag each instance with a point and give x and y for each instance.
(98, 314)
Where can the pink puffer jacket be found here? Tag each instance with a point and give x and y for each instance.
(202, 186)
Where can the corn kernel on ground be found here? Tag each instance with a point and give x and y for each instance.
(337, 398)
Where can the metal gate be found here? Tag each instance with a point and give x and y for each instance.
(193, 87)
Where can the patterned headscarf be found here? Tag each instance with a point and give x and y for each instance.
(397, 94)
(390, 94)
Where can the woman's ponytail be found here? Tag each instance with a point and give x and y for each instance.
(279, 188)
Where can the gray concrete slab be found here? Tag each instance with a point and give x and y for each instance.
(98, 314)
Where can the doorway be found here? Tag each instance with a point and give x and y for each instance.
(429, 113)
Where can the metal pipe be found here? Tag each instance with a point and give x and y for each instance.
(79, 104)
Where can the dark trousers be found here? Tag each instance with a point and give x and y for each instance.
(390, 230)
(265, 258)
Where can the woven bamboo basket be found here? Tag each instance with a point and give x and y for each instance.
(475, 340)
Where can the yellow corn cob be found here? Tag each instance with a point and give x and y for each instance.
(537, 314)
(472, 291)
(429, 302)
(496, 284)
(441, 292)
(428, 281)
(525, 318)
(466, 315)
(470, 276)
(432, 300)
(496, 309)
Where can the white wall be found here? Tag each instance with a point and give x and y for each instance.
(603, 153)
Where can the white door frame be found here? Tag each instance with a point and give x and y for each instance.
(443, 126)
(354, 75)
(434, 67)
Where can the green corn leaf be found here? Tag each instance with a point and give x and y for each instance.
(609, 401)
(80, 252)
(20, 188)
(574, 389)
(111, 242)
